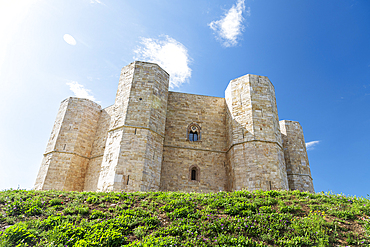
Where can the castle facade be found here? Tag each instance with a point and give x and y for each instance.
(153, 139)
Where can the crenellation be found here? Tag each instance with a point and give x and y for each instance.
(152, 139)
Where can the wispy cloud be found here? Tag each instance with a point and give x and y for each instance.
(168, 53)
(229, 27)
(80, 91)
(69, 39)
(96, 1)
(311, 145)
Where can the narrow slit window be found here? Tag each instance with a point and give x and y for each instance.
(193, 174)
(128, 178)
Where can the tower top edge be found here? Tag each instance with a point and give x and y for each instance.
(285, 121)
(193, 94)
(249, 76)
(143, 62)
(81, 99)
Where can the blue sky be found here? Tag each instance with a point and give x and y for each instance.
(316, 53)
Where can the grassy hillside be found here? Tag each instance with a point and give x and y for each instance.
(241, 218)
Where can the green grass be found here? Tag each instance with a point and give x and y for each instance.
(241, 218)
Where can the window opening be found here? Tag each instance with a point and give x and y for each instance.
(193, 132)
(193, 174)
(128, 178)
(193, 136)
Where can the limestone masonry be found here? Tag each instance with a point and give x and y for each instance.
(152, 139)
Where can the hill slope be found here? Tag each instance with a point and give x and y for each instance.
(241, 218)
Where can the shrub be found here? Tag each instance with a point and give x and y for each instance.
(140, 231)
(93, 200)
(266, 209)
(344, 214)
(241, 208)
(290, 209)
(55, 202)
(97, 214)
(19, 206)
(83, 210)
(19, 234)
(181, 212)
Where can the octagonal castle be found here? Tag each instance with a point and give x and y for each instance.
(153, 139)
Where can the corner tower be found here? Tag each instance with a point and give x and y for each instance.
(133, 152)
(255, 152)
(296, 159)
(68, 150)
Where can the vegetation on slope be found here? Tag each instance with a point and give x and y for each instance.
(240, 218)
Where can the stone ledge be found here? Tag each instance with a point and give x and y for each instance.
(235, 144)
(200, 149)
(298, 174)
(135, 127)
(219, 151)
(66, 152)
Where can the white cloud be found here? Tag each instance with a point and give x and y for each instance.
(311, 145)
(69, 39)
(168, 53)
(80, 91)
(95, 1)
(229, 27)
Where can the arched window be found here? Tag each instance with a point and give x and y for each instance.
(194, 173)
(193, 132)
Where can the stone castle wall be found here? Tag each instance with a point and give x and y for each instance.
(255, 156)
(141, 142)
(297, 166)
(134, 146)
(96, 159)
(69, 147)
(208, 154)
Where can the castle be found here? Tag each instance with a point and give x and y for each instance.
(153, 139)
